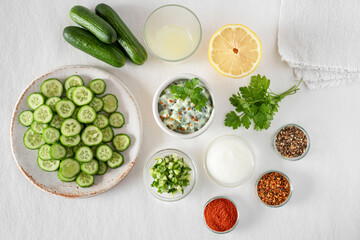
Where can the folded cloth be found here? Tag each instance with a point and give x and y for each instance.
(320, 39)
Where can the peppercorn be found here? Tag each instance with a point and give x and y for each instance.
(291, 142)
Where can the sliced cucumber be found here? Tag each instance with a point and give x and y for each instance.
(65, 108)
(38, 127)
(104, 153)
(34, 100)
(48, 165)
(44, 152)
(51, 135)
(82, 96)
(70, 127)
(70, 141)
(69, 153)
(78, 146)
(26, 118)
(43, 114)
(51, 102)
(85, 180)
(91, 167)
(91, 135)
(117, 120)
(110, 103)
(33, 140)
(102, 168)
(64, 179)
(84, 154)
(69, 92)
(121, 142)
(86, 114)
(98, 86)
(52, 88)
(116, 161)
(56, 121)
(108, 134)
(101, 121)
(73, 81)
(75, 113)
(97, 104)
(69, 168)
(57, 151)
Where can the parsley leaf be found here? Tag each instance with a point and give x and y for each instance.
(256, 103)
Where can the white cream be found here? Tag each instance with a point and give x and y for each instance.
(230, 160)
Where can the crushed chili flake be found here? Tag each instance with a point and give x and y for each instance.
(291, 142)
(196, 119)
(273, 188)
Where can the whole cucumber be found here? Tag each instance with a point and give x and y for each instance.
(132, 47)
(85, 41)
(92, 22)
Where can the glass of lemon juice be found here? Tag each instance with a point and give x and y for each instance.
(172, 33)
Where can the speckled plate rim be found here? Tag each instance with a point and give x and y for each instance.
(29, 177)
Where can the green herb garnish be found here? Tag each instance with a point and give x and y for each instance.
(256, 102)
(192, 90)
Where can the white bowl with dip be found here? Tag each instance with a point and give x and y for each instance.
(155, 106)
(229, 160)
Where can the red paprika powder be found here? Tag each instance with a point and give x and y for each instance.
(220, 214)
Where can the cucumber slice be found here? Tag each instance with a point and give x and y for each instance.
(43, 114)
(51, 135)
(64, 179)
(86, 114)
(121, 142)
(117, 120)
(69, 92)
(38, 127)
(65, 108)
(82, 96)
(91, 135)
(98, 86)
(91, 167)
(78, 146)
(26, 118)
(56, 121)
(102, 168)
(69, 168)
(48, 165)
(75, 112)
(85, 180)
(110, 103)
(101, 121)
(104, 153)
(70, 141)
(108, 134)
(51, 102)
(34, 100)
(33, 140)
(73, 81)
(57, 151)
(44, 152)
(69, 153)
(70, 127)
(116, 161)
(84, 154)
(52, 88)
(97, 104)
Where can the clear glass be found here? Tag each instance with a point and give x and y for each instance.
(237, 220)
(249, 173)
(169, 17)
(148, 179)
(273, 206)
(295, 158)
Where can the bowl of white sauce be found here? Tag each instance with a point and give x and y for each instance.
(229, 160)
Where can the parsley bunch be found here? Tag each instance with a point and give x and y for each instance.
(257, 103)
(192, 90)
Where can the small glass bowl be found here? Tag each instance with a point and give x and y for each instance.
(237, 220)
(273, 206)
(295, 158)
(148, 179)
(172, 14)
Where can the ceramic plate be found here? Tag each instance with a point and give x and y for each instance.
(48, 181)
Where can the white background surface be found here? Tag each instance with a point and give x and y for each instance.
(325, 203)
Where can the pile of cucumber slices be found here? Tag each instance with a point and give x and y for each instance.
(71, 129)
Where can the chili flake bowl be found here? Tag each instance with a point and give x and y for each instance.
(148, 179)
(273, 206)
(294, 158)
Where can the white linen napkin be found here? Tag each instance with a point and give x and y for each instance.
(320, 39)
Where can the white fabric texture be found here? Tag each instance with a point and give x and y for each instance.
(320, 40)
